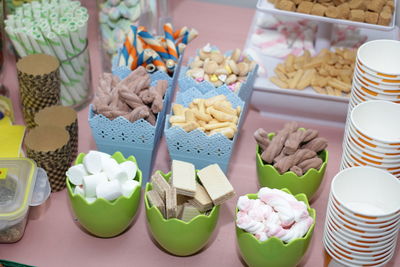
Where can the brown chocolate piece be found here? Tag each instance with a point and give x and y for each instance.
(262, 139)
(317, 144)
(310, 163)
(297, 170)
(284, 164)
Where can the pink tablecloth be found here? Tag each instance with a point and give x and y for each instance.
(52, 238)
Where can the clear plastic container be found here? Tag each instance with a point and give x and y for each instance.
(115, 19)
(22, 184)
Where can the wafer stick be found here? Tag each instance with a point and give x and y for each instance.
(155, 200)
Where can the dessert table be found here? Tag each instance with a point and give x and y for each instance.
(53, 238)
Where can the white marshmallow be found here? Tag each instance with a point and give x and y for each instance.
(90, 200)
(92, 162)
(128, 187)
(79, 191)
(120, 175)
(109, 190)
(101, 154)
(130, 168)
(75, 174)
(109, 166)
(90, 183)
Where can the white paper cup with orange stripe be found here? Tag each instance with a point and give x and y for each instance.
(357, 162)
(349, 257)
(378, 121)
(352, 251)
(390, 88)
(372, 154)
(378, 197)
(381, 58)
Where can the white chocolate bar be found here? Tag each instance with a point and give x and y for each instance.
(184, 178)
(216, 183)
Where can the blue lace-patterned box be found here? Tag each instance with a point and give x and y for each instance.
(195, 146)
(139, 138)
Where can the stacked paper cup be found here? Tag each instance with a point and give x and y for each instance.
(376, 73)
(362, 226)
(373, 137)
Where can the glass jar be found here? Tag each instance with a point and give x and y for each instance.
(115, 19)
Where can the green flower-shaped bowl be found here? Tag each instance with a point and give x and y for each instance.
(274, 252)
(308, 184)
(176, 236)
(105, 218)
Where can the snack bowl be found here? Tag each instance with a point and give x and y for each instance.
(274, 252)
(105, 218)
(176, 236)
(308, 183)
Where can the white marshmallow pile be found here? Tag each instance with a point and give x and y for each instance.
(100, 176)
(274, 213)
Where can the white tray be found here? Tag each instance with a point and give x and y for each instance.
(265, 6)
(303, 105)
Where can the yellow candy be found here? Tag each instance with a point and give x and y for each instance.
(214, 78)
